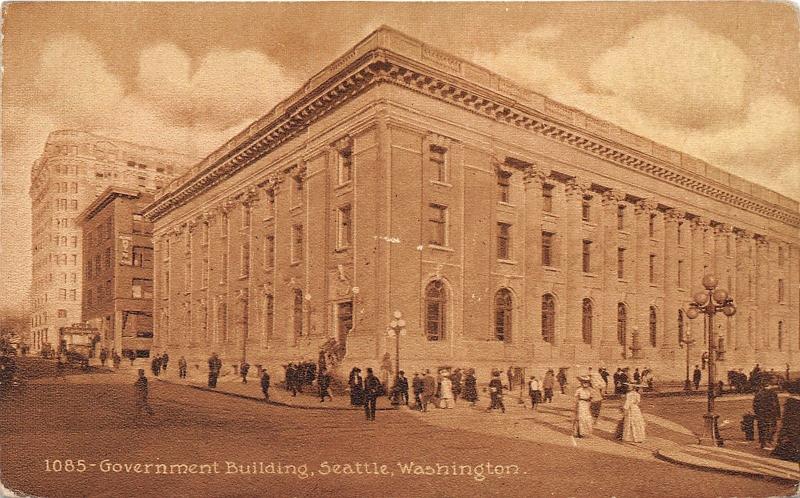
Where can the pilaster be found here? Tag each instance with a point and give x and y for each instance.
(610, 202)
(575, 190)
(534, 177)
(668, 336)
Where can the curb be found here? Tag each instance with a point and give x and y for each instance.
(270, 402)
(731, 471)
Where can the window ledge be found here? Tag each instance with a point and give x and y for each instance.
(590, 274)
(342, 186)
(437, 247)
(268, 218)
(295, 208)
(342, 249)
(294, 263)
(441, 184)
(623, 280)
(624, 232)
(506, 204)
(507, 261)
(591, 224)
(551, 268)
(243, 277)
(550, 214)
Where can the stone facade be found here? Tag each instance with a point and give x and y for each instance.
(75, 167)
(508, 229)
(118, 270)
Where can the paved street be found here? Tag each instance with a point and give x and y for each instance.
(88, 417)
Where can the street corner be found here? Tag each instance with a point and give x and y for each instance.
(730, 461)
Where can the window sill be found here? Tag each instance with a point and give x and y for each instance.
(623, 280)
(589, 274)
(624, 232)
(295, 263)
(343, 185)
(553, 269)
(440, 183)
(295, 208)
(590, 224)
(506, 204)
(506, 261)
(242, 277)
(268, 218)
(342, 249)
(550, 214)
(437, 247)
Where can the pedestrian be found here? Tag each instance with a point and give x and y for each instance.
(788, 446)
(103, 356)
(534, 391)
(624, 380)
(457, 383)
(428, 390)
(633, 427)
(164, 361)
(696, 376)
(324, 382)
(767, 410)
(496, 392)
(582, 418)
(470, 391)
(154, 365)
(510, 376)
(131, 356)
(140, 394)
(617, 381)
(637, 377)
(548, 384)
(243, 370)
(562, 379)
(446, 392)
(117, 359)
(372, 390)
(214, 367)
(182, 367)
(356, 384)
(597, 396)
(265, 384)
(417, 388)
(604, 376)
(402, 388)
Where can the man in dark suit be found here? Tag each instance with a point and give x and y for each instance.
(428, 390)
(265, 385)
(402, 388)
(372, 389)
(767, 410)
(696, 376)
(418, 387)
(496, 392)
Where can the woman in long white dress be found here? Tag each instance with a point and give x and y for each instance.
(633, 421)
(582, 425)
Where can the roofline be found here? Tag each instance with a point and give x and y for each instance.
(105, 197)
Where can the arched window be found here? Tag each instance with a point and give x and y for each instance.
(297, 312)
(681, 329)
(269, 316)
(622, 324)
(548, 318)
(653, 326)
(502, 315)
(587, 321)
(435, 307)
(780, 336)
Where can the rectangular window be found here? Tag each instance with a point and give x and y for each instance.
(223, 270)
(652, 268)
(587, 256)
(504, 187)
(204, 274)
(73, 295)
(73, 241)
(680, 273)
(62, 294)
(344, 227)
(73, 204)
(224, 225)
(680, 233)
(187, 275)
(165, 246)
(780, 290)
(269, 251)
(244, 260)
(345, 166)
(97, 264)
(107, 258)
(204, 234)
(651, 225)
(139, 224)
(344, 318)
(62, 313)
(620, 217)
(437, 223)
(438, 163)
(586, 208)
(142, 257)
(245, 216)
(620, 262)
(297, 191)
(547, 248)
(270, 204)
(142, 288)
(780, 256)
(727, 246)
(89, 296)
(188, 242)
(297, 243)
(503, 241)
(547, 198)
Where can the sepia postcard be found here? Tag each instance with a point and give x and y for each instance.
(404, 249)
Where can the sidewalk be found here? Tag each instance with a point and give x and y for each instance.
(731, 461)
(233, 386)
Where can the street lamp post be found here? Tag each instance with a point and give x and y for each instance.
(397, 327)
(687, 341)
(709, 302)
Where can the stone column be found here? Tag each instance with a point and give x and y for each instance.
(608, 308)
(669, 327)
(640, 307)
(575, 190)
(699, 227)
(761, 320)
(744, 297)
(722, 269)
(534, 178)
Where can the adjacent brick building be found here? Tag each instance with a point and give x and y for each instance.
(507, 228)
(118, 270)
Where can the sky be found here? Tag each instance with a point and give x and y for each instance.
(718, 80)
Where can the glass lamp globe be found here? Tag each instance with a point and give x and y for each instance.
(729, 310)
(700, 298)
(692, 313)
(401, 323)
(393, 324)
(397, 314)
(720, 296)
(710, 281)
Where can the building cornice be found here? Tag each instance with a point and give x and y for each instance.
(390, 57)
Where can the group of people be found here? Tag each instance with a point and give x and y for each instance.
(767, 413)
(104, 355)
(447, 387)
(588, 403)
(298, 375)
(623, 378)
(159, 363)
(365, 391)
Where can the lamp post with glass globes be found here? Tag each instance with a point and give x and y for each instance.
(687, 341)
(709, 302)
(397, 327)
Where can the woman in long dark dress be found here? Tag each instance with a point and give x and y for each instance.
(356, 384)
(788, 447)
(470, 391)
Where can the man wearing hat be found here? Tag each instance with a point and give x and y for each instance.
(428, 390)
(140, 393)
(767, 410)
(496, 392)
(446, 387)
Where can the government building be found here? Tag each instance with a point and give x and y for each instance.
(74, 168)
(508, 229)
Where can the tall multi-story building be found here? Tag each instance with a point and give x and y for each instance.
(118, 270)
(74, 168)
(507, 228)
